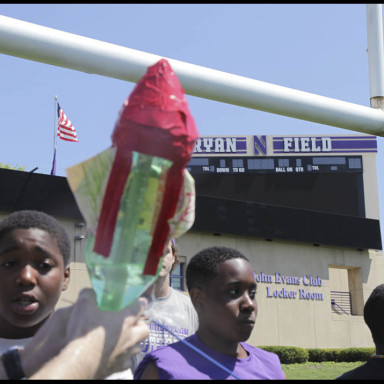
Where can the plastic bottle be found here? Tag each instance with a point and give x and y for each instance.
(118, 280)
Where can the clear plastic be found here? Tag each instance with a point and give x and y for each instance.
(118, 280)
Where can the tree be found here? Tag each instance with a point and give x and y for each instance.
(17, 167)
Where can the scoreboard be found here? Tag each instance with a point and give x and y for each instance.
(331, 184)
(309, 189)
(276, 164)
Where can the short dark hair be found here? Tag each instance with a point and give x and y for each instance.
(374, 313)
(36, 219)
(202, 268)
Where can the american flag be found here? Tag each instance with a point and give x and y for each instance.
(66, 131)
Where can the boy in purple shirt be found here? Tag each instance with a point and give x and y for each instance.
(222, 288)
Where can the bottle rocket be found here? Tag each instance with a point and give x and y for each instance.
(137, 195)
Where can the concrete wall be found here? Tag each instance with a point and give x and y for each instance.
(371, 191)
(79, 274)
(293, 320)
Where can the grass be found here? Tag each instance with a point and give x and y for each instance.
(327, 370)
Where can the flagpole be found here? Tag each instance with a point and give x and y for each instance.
(55, 127)
(53, 171)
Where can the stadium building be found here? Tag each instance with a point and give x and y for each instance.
(303, 209)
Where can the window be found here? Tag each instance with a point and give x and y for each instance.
(346, 288)
(341, 302)
(177, 277)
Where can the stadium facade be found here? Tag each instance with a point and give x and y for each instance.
(303, 209)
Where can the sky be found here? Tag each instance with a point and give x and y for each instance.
(316, 48)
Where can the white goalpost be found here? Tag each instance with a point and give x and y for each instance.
(51, 46)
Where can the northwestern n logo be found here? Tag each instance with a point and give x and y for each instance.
(260, 145)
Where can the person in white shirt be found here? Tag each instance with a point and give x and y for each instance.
(169, 307)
